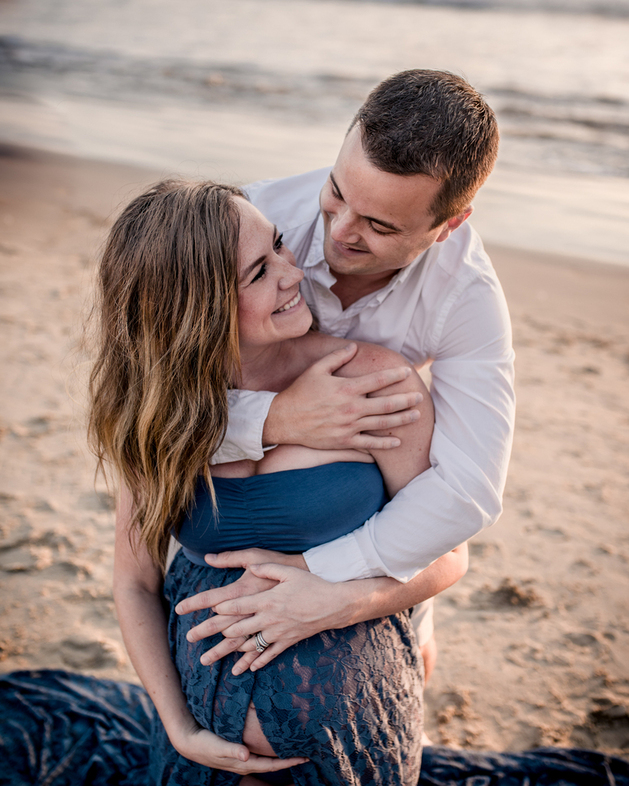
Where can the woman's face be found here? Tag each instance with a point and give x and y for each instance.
(270, 306)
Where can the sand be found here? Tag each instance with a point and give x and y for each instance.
(533, 641)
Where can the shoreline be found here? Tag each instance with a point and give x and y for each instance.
(533, 641)
(490, 218)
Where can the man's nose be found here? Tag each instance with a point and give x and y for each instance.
(343, 227)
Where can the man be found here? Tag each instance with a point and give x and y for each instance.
(389, 258)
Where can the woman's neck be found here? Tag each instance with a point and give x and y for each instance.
(273, 367)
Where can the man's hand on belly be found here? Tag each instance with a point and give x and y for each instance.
(297, 605)
(248, 586)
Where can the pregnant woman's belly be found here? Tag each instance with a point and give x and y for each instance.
(291, 500)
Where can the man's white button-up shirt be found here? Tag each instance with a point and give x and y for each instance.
(447, 308)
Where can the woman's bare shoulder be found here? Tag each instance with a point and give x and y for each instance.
(372, 357)
(368, 358)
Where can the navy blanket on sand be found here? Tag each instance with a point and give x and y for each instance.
(58, 728)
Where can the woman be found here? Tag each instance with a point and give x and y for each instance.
(198, 294)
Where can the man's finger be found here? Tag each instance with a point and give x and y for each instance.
(241, 666)
(333, 362)
(372, 442)
(253, 660)
(267, 656)
(208, 598)
(242, 627)
(377, 380)
(387, 422)
(384, 405)
(235, 607)
(273, 571)
(195, 603)
(216, 624)
(231, 559)
(223, 648)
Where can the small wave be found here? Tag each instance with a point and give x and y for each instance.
(563, 132)
(608, 8)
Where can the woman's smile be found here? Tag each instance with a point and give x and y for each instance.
(291, 304)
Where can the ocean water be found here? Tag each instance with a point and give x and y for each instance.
(253, 88)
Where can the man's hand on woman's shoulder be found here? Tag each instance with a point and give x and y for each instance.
(330, 409)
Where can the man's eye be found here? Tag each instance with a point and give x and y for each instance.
(279, 242)
(379, 231)
(261, 273)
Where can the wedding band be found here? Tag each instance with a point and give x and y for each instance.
(261, 644)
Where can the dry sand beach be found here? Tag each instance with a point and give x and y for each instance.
(534, 641)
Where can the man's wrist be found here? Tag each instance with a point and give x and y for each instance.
(297, 561)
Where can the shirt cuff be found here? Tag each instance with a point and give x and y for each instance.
(248, 411)
(373, 563)
(339, 560)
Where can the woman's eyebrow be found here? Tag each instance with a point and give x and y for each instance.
(250, 268)
(260, 260)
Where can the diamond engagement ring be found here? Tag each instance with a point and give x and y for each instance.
(261, 644)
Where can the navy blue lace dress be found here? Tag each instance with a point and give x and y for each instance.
(350, 700)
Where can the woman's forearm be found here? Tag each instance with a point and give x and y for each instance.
(137, 595)
(143, 624)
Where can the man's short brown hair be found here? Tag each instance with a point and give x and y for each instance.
(431, 123)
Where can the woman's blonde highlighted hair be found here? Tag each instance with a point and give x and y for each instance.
(167, 348)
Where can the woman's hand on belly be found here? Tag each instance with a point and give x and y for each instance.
(204, 747)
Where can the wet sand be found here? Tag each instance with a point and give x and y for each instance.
(533, 641)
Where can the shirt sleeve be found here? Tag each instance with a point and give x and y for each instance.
(472, 391)
(243, 440)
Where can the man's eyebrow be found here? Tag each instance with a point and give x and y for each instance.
(259, 261)
(379, 221)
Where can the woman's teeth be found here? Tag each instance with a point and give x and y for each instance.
(290, 304)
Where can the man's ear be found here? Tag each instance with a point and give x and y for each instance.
(454, 223)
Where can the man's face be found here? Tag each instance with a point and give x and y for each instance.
(375, 222)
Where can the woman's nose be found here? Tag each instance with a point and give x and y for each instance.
(291, 275)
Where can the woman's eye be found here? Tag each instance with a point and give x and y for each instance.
(277, 245)
(260, 274)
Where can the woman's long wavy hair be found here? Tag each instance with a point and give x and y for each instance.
(167, 348)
